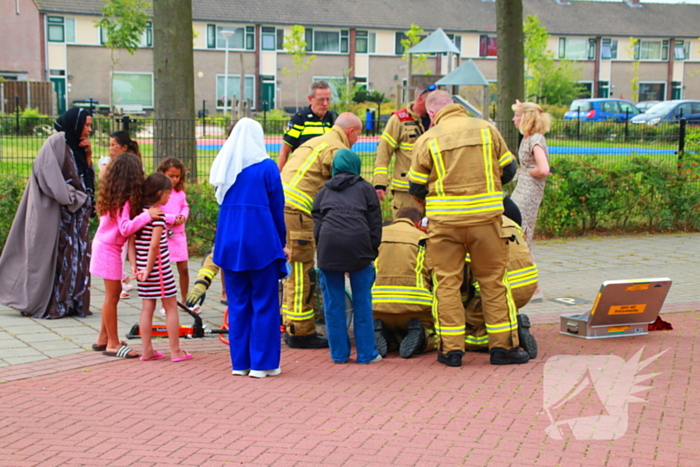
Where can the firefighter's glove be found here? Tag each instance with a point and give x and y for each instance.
(195, 294)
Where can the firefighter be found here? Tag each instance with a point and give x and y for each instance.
(522, 278)
(402, 130)
(457, 168)
(302, 177)
(401, 296)
(313, 121)
(206, 274)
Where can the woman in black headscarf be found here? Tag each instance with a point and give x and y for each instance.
(45, 262)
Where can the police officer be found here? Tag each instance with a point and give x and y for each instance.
(402, 130)
(457, 167)
(402, 294)
(313, 121)
(302, 177)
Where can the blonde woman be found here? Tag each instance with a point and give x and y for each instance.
(532, 173)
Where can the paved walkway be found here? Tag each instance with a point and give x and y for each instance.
(62, 404)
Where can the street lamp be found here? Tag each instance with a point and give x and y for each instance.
(227, 35)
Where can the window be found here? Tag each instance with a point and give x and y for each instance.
(361, 82)
(652, 91)
(651, 50)
(132, 89)
(334, 82)
(603, 89)
(147, 36)
(608, 49)
(488, 46)
(398, 46)
(234, 86)
(676, 90)
(585, 89)
(456, 40)
(280, 39)
(243, 37)
(60, 29)
(327, 41)
(269, 38)
(681, 50)
(365, 42)
(576, 48)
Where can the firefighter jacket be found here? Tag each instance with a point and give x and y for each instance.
(309, 167)
(306, 125)
(208, 270)
(403, 280)
(402, 130)
(521, 271)
(461, 161)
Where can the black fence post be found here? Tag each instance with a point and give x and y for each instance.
(125, 123)
(578, 123)
(681, 139)
(17, 114)
(204, 118)
(627, 122)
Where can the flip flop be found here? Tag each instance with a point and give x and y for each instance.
(99, 348)
(125, 295)
(123, 352)
(188, 356)
(156, 356)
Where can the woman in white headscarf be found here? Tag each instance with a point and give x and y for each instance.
(250, 240)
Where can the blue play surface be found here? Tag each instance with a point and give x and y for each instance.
(371, 147)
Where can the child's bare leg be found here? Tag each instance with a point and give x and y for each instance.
(109, 330)
(172, 322)
(184, 275)
(223, 286)
(146, 327)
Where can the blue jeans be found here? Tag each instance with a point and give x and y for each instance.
(333, 288)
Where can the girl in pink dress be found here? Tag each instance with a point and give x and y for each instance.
(176, 213)
(120, 190)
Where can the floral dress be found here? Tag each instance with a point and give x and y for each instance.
(529, 190)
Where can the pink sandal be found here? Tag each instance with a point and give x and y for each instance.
(188, 356)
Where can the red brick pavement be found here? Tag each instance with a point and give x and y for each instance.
(92, 410)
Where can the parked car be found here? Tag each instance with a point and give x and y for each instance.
(646, 105)
(601, 110)
(670, 111)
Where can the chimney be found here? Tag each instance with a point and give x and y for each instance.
(633, 3)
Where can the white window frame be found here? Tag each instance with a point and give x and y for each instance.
(488, 37)
(663, 51)
(343, 35)
(681, 47)
(612, 45)
(267, 35)
(589, 47)
(146, 106)
(370, 37)
(663, 94)
(233, 89)
(62, 22)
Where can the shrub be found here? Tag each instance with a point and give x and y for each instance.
(11, 191)
(204, 212)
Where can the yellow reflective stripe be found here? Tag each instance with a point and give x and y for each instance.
(207, 273)
(403, 299)
(389, 139)
(294, 133)
(307, 163)
(381, 171)
(417, 177)
(314, 124)
(297, 316)
(298, 288)
(484, 202)
(420, 261)
(501, 327)
(482, 340)
(450, 329)
(488, 160)
(505, 159)
(434, 309)
(522, 277)
(467, 258)
(439, 166)
(512, 325)
(297, 198)
(406, 146)
(313, 131)
(396, 183)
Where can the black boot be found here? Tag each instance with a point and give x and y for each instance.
(527, 340)
(514, 356)
(380, 338)
(453, 358)
(312, 341)
(414, 342)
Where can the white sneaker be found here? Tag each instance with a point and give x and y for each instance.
(240, 372)
(376, 359)
(263, 373)
(162, 311)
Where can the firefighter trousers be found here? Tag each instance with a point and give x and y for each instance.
(299, 288)
(401, 200)
(447, 247)
(397, 324)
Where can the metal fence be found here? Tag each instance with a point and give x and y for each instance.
(22, 137)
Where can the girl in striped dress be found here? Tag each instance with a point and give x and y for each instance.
(149, 248)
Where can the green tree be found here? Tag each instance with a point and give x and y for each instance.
(634, 82)
(344, 89)
(123, 22)
(295, 45)
(411, 38)
(552, 82)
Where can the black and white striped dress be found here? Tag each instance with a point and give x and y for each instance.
(160, 283)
